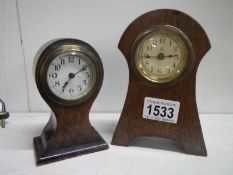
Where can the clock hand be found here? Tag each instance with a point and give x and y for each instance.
(72, 75)
(170, 56)
(64, 86)
(160, 56)
(83, 69)
(149, 56)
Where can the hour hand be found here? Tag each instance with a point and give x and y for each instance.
(170, 56)
(64, 86)
(71, 75)
(149, 56)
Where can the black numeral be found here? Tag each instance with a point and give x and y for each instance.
(71, 59)
(159, 71)
(174, 64)
(53, 75)
(151, 68)
(87, 74)
(149, 107)
(57, 83)
(163, 113)
(156, 110)
(162, 40)
(71, 91)
(148, 48)
(160, 111)
(57, 67)
(62, 61)
(154, 42)
(80, 87)
(171, 113)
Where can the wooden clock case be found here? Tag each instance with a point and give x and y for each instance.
(187, 131)
(68, 132)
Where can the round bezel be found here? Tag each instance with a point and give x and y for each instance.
(76, 55)
(181, 40)
(76, 46)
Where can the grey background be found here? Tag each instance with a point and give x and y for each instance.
(25, 25)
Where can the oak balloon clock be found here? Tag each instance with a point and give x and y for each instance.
(163, 49)
(69, 75)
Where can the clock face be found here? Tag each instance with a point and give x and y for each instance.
(71, 75)
(161, 55)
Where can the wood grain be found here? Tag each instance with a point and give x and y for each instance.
(187, 131)
(68, 133)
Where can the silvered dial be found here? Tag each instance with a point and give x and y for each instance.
(161, 56)
(71, 75)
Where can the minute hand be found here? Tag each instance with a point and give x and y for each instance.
(170, 56)
(72, 75)
(159, 56)
(83, 69)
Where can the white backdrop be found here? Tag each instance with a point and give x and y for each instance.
(25, 25)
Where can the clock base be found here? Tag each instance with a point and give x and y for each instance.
(187, 134)
(196, 148)
(43, 157)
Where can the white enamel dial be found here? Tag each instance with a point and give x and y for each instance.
(71, 75)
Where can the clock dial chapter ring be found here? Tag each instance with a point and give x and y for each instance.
(73, 77)
(161, 55)
(86, 68)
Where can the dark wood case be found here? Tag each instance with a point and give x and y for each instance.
(187, 131)
(68, 132)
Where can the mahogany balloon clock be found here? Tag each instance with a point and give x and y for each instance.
(163, 49)
(69, 75)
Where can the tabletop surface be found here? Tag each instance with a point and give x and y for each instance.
(144, 156)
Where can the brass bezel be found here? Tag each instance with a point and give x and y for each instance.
(69, 45)
(175, 34)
